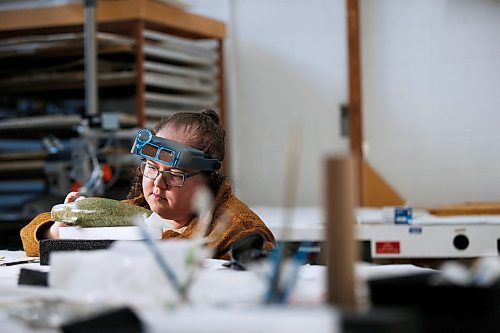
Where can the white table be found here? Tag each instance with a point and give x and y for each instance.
(224, 299)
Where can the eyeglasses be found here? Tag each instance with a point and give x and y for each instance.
(172, 178)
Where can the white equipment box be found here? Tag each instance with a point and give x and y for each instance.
(430, 236)
(431, 241)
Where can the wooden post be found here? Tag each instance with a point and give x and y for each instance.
(341, 246)
(355, 112)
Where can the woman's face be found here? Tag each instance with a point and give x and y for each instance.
(173, 203)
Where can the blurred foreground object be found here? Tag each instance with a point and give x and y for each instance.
(341, 250)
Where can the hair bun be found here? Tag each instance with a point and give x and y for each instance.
(212, 115)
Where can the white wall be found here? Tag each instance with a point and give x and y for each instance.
(431, 90)
(431, 83)
(287, 67)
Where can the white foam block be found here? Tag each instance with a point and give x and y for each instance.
(113, 233)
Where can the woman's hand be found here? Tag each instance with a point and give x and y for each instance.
(73, 196)
(53, 232)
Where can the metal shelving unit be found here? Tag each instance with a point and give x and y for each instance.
(153, 59)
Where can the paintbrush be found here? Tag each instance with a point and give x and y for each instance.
(162, 263)
(291, 179)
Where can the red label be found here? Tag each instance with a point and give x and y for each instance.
(387, 248)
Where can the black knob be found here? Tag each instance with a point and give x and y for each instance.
(461, 242)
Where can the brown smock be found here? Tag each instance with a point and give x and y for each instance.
(232, 220)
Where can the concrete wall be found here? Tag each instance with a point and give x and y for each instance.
(431, 94)
(287, 69)
(431, 82)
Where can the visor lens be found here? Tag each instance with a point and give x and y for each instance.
(149, 150)
(144, 135)
(166, 156)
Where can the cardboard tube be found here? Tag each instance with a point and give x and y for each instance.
(340, 246)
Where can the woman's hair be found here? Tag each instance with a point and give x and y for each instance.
(206, 134)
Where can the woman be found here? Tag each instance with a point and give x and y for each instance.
(167, 188)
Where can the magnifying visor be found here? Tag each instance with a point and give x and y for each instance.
(172, 153)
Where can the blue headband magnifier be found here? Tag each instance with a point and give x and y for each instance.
(172, 153)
